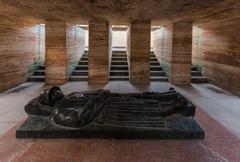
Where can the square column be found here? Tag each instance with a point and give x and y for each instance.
(99, 51)
(56, 53)
(139, 40)
(181, 53)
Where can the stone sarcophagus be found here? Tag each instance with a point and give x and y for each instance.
(102, 114)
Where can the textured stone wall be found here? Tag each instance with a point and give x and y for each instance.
(41, 45)
(56, 53)
(162, 46)
(197, 47)
(221, 56)
(139, 51)
(99, 44)
(119, 39)
(128, 43)
(75, 46)
(158, 40)
(18, 49)
(110, 46)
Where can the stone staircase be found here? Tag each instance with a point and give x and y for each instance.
(81, 71)
(197, 76)
(156, 71)
(38, 75)
(119, 70)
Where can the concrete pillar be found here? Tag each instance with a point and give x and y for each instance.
(99, 44)
(181, 53)
(56, 53)
(139, 40)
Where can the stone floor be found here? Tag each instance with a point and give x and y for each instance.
(218, 114)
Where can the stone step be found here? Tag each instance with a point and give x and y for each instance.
(119, 55)
(39, 73)
(194, 68)
(80, 73)
(41, 67)
(159, 79)
(114, 56)
(78, 78)
(84, 59)
(119, 78)
(119, 51)
(153, 59)
(83, 63)
(156, 68)
(199, 79)
(119, 58)
(154, 63)
(119, 63)
(119, 73)
(119, 67)
(81, 67)
(152, 55)
(196, 73)
(114, 52)
(157, 73)
(36, 79)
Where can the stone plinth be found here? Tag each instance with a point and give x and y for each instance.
(102, 114)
